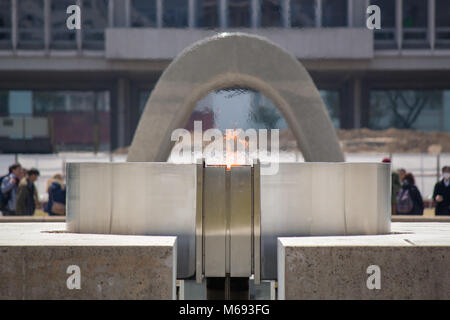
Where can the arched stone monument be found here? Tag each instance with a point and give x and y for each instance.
(235, 60)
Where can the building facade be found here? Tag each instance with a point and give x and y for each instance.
(85, 89)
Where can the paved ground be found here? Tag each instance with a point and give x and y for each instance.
(403, 233)
(34, 234)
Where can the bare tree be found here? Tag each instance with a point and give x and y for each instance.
(406, 111)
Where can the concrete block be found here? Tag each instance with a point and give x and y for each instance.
(413, 264)
(34, 259)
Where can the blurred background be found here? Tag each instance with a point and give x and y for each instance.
(77, 95)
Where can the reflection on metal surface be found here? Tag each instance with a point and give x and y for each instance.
(240, 221)
(256, 263)
(228, 221)
(199, 245)
(215, 222)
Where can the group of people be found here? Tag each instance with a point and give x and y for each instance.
(407, 199)
(19, 196)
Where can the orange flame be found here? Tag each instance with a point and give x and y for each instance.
(231, 155)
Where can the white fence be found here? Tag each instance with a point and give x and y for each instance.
(423, 166)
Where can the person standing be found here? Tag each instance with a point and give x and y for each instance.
(409, 199)
(56, 204)
(441, 193)
(401, 174)
(395, 185)
(9, 188)
(27, 197)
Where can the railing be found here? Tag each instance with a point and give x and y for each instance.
(31, 39)
(94, 39)
(385, 38)
(415, 38)
(443, 37)
(5, 38)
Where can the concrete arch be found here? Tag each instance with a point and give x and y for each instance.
(233, 60)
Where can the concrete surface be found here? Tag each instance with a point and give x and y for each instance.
(414, 263)
(235, 60)
(304, 43)
(395, 218)
(8, 219)
(433, 218)
(34, 258)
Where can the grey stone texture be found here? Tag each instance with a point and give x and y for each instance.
(414, 264)
(34, 258)
(235, 60)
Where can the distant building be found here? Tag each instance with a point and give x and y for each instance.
(85, 89)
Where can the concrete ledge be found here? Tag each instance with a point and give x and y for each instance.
(414, 264)
(405, 218)
(34, 261)
(395, 218)
(8, 219)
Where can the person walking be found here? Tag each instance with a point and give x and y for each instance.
(56, 205)
(27, 196)
(441, 193)
(409, 199)
(9, 187)
(395, 185)
(401, 174)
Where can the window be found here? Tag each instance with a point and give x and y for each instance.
(385, 37)
(442, 24)
(271, 13)
(331, 99)
(3, 103)
(5, 24)
(175, 13)
(31, 24)
(207, 13)
(415, 13)
(427, 110)
(61, 120)
(143, 13)
(78, 120)
(62, 37)
(334, 13)
(303, 13)
(95, 21)
(239, 14)
(144, 95)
